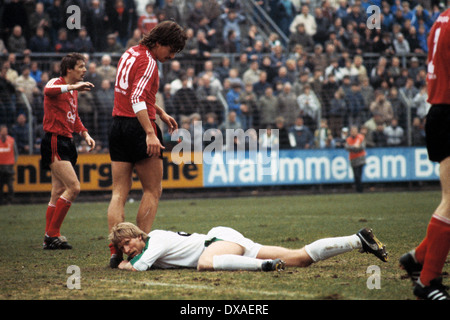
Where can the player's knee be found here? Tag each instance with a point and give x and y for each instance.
(75, 189)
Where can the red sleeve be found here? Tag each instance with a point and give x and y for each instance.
(144, 75)
(52, 89)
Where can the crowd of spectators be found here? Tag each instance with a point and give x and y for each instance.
(311, 88)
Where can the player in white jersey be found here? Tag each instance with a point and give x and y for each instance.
(224, 248)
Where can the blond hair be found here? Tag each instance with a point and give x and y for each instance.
(125, 230)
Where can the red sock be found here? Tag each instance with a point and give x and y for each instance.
(437, 248)
(113, 249)
(61, 209)
(49, 216)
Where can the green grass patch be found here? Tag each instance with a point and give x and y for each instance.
(399, 219)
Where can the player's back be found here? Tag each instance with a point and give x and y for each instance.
(438, 69)
(136, 81)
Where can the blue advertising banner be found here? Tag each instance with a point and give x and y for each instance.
(324, 166)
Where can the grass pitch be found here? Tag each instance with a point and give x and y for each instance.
(399, 219)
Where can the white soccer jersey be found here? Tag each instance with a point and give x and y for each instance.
(168, 249)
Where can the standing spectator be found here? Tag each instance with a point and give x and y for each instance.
(307, 19)
(14, 13)
(249, 108)
(356, 147)
(135, 38)
(113, 45)
(25, 84)
(232, 98)
(104, 101)
(148, 20)
(8, 158)
(20, 131)
(323, 136)
(171, 11)
(341, 139)
(40, 18)
(338, 112)
(83, 42)
(401, 45)
(7, 96)
(323, 24)
(35, 71)
(184, 99)
(421, 104)
(260, 86)
(40, 42)
(57, 19)
(418, 132)
(16, 41)
(106, 70)
(287, 105)
(207, 95)
(96, 24)
(63, 44)
(268, 109)
(382, 106)
(285, 15)
(377, 138)
(395, 134)
(300, 135)
(92, 75)
(232, 22)
(283, 133)
(310, 106)
(231, 122)
(120, 20)
(355, 105)
(252, 74)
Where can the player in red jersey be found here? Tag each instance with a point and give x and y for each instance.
(424, 264)
(135, 141)
(58, 150)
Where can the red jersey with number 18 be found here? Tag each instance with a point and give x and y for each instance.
(438, 73)
(137, 83)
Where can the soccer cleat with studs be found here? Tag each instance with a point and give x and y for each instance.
(370, 244)
(56, 243)
(435, 291)
(273, 265)
(409, 264)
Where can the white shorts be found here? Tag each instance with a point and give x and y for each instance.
(231, 235)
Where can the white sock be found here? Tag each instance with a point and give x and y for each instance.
(235, 262)
(329, 247)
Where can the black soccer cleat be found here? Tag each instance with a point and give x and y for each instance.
(409, 264)
(273, 265)
(370, 244)
(56, 243)
(435, 291)
(115, 260)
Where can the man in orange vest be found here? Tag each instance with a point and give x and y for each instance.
(8, 157)
(356, 146)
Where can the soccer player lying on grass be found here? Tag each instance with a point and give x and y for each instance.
(224, 248)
